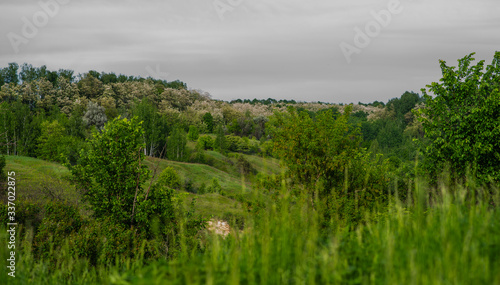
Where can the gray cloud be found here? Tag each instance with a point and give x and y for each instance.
(261, 49)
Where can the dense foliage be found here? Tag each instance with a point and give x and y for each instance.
(111, 172)
(462, 121)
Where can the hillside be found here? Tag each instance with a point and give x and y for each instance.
(42, 181)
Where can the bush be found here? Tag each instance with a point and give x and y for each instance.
(169, 178)
(205, 142)
(188, 185)
(244, 166)
(53, 144)
(214, 187)
(59, 222)
(235, 144)
(235, 220)
(28, 214)
(202, 189)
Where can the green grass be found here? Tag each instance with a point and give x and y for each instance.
(31, 170)
(446, 236)
(267, 166)
(448, 240)
(212, 204)
(199, 173)
(230, 180)
(41, 180)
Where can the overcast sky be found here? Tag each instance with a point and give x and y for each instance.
(283, 49)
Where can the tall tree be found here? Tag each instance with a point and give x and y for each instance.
(209, 122)
(19, 129)
(9, 73)
(155, 127)
(220, 143)
(461, 122)
(95, 116)
(176, 145)
(193, 133)
(52, 143)
(90, 86)
(112, 172)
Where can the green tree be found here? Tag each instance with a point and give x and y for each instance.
(9, 73)
(176, 145)
(53, 143)
(193, 133)
(214, 186)
(461, 122)
(28, 73)
(19, 129)
(220, 143)
(324, 155)
(401, 106)
(209, 121)
(315, 150)
(154, 125)
(90, 86)
(112, 172)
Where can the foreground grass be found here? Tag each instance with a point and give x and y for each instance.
(453, 238)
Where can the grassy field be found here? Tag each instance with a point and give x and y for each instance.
(449, 235)
(444, 240)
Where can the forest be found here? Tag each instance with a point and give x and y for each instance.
(116, 179)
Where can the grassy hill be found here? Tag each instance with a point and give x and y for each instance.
(41, 181)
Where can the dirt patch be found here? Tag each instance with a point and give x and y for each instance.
(219, 227)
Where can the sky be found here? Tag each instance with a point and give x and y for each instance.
(316, 50)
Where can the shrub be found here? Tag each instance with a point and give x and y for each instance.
(59, 222)
(237, 144)
(205, 142)
(53, 144)
(234, 220)
(188, 185)
(244, 166)
(202, 189)
(169, 178)
(214, 187)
